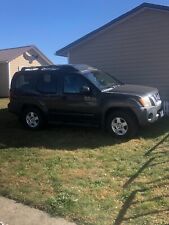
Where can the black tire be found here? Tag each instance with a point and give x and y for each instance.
(122, 124)
(38, 120)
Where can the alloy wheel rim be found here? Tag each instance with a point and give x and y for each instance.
(32, 119)
(119, 126)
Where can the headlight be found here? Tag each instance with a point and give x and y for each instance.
(145, 101)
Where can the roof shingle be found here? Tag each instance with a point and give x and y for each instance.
(11, 53)
(7, 55)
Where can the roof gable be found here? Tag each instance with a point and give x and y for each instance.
(64, 51)
(7, 55)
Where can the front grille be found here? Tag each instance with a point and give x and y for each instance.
(155, 98)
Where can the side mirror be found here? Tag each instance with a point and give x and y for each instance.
(85, 90)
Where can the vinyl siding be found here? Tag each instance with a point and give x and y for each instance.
(135, 51)
(4, 80)
(20, 62)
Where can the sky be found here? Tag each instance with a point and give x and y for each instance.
(53, 24)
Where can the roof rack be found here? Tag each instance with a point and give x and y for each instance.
(53, 67)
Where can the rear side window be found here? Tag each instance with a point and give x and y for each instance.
(24, 81)
(47, 83)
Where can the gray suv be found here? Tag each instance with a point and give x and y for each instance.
(80, 94)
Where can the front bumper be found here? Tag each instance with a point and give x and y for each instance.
(154, 115)
(150, 115)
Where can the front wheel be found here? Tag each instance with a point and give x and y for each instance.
(122, 124)
(32, 119)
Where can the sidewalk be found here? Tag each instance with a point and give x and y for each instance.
(13, 213)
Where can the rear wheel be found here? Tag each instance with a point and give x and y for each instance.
(122, 124)
(32, 119)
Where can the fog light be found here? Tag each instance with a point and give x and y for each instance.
(150, 116)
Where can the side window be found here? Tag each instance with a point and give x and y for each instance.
(24, 81)
(47, 83)
(73, 83)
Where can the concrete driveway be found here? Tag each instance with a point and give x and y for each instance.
(13, 213)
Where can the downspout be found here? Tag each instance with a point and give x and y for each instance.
(9, 75)
(68, 57)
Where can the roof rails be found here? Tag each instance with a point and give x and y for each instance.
(53, 67)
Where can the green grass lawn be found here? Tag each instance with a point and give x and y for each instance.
(85, 175)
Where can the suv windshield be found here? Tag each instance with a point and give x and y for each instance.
(102, 80)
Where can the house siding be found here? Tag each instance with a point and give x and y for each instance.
(20, 62)
(4, 80)
(135, 51)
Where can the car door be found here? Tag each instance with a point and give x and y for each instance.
(77, 105)
(49, 90)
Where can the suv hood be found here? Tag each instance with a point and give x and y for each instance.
(130, 89)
